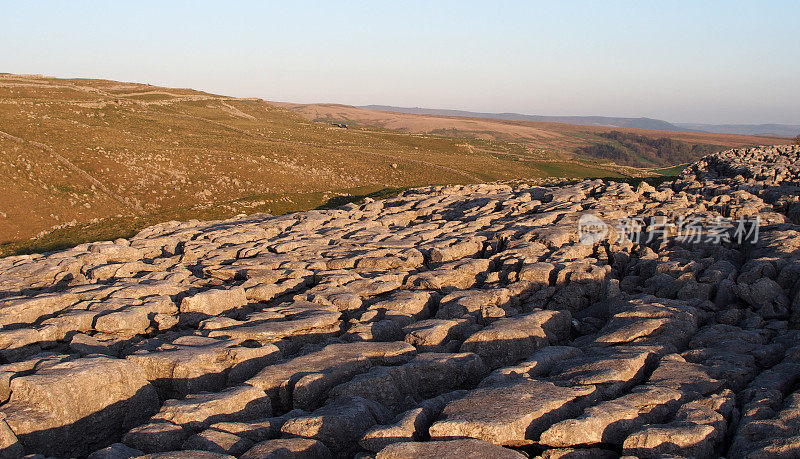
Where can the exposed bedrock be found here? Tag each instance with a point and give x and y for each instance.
(461, 321)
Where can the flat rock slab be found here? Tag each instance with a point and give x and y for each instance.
(303, 381)
(213, 302)
(312, 321)
(339, 424)
(612, 421)
(195, 364)
(511, 414)
(288, 448)
(199, 411)
(73, 407)
(426, 376)
(455, 449)
(510, 340)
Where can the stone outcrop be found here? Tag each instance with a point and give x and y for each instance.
(461, 321)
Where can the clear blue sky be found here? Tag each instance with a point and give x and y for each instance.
(683, 61)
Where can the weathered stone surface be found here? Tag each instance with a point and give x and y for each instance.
(698, 430)
(447, 449)
(213, 302)
(425, 376)
(198, 411)
(303, 381)
(307, 322)
(540, 363)
(156, 437)
(611, 371)
(413, 303)
(194, 364)
(675, 372)
(115, 451)
(257, 430)
(339, 424)
(9, 443)
(187, 454)
(650, 321)
(382, 320)
(770, 413)
(513, 414)
(436, 334)
(612, 421)
(410, 425)
(288, 448)
(580, 453)
(28, 310)
(217, 441)
(73, 407)
(509, 340)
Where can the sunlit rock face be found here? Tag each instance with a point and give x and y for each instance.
(471, 321)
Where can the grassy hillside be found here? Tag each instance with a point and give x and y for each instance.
(547, 140)
(86, 159)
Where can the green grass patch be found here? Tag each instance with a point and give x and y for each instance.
(672, 171)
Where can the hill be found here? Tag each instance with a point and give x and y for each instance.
(774, 130)
(610, 121)
(783, 130)
(545, 140)
(84, 159)
(119, 156)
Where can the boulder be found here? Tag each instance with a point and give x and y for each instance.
(454, 449)
(304, 380)
(75, 407)
(214, 301)
(288, 448)
(512, 339)
(199, 411)
(511, 414)
(339, 424)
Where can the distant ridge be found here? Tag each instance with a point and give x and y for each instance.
(635, 123)
(781, 130)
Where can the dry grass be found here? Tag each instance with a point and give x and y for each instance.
(85, 159)
(558, 138)
(88, 153)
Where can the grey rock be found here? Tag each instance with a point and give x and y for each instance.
(512, 414)
(448, 449)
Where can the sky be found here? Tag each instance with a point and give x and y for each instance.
(682, 61)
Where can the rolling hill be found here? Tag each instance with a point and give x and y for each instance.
(610, 121)
(84, 159)
(774, 130)
(544, 140)
(783, 130)
(90, 159)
